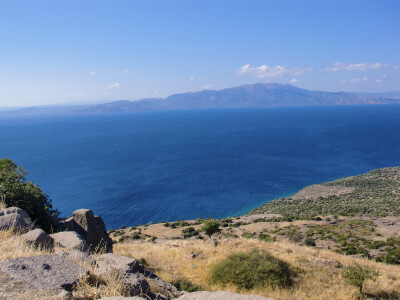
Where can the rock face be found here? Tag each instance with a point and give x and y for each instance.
(90, 227)
(220, 296)
(15, 218)
(39, 239)
(70, 240)
(137, 280)
(44, 271)
(121, 264)
(136, 284)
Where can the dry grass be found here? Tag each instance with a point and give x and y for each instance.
(12, 247)
(317, 278)
(90, 286)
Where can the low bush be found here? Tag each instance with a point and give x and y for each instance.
(135, 235)
(248, 235)
(356, 275)
(266, 237)
(308, 241)
(252, 270)
(210, 227)
(189, 232)
(183, 284)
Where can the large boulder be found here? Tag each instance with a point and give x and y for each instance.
(44, 271)
(90, 227)
(16, 219)
(205, 295)
(121, 264)
(159, 286)
(130, 270)
(136, 285)
(39, 239)
(70, 240)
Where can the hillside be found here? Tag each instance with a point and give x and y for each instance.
(278, 256)
(246, 96)
(376, 193)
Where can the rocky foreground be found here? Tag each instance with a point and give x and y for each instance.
(311, 234)
(77, 258)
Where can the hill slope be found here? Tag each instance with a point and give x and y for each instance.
(245, 96)
(375, 193)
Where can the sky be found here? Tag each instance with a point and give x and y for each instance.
(81, 51)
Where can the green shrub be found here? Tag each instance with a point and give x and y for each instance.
(248, 235)
(265, 237)
(293, 233)
(16, 191)
(183, 284)
(251, 270)
(210, 227)
(356, 275)
(189, 232)
(309, 241)
(135, 235)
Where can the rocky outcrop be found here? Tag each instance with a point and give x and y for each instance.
(90, 227)
(70, 240)
(39, 239)
(220, 296)
(15, 218)
(121, 264)
(44, 271)
(137, 280)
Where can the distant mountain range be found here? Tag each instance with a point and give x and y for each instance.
(252, 95)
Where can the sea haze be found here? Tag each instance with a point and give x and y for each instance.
(137, 167)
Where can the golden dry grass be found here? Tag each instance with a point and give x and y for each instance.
(12, 247)
(317, 279)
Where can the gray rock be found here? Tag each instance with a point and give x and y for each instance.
(70, 240)
(90, 227)
(77, 257)
(44, 271)
(15, 218)
(161, 297)
(121, 264)
(220, 296)
(39, 239)
(136, 285)
(157, 285)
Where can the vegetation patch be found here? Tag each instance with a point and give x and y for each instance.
(189, 232)
(184, 284)
(376, 193)
(252, 270)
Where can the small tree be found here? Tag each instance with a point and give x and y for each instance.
(15, 190)
(210, 227)
(356, 275)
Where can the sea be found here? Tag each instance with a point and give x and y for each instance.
(151, 166)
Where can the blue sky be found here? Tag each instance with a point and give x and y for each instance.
(77, 51)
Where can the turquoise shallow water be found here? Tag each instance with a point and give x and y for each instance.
(133, 168)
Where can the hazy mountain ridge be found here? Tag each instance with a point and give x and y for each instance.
(246, 96)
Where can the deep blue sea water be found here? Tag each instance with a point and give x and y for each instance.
(133, 168)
